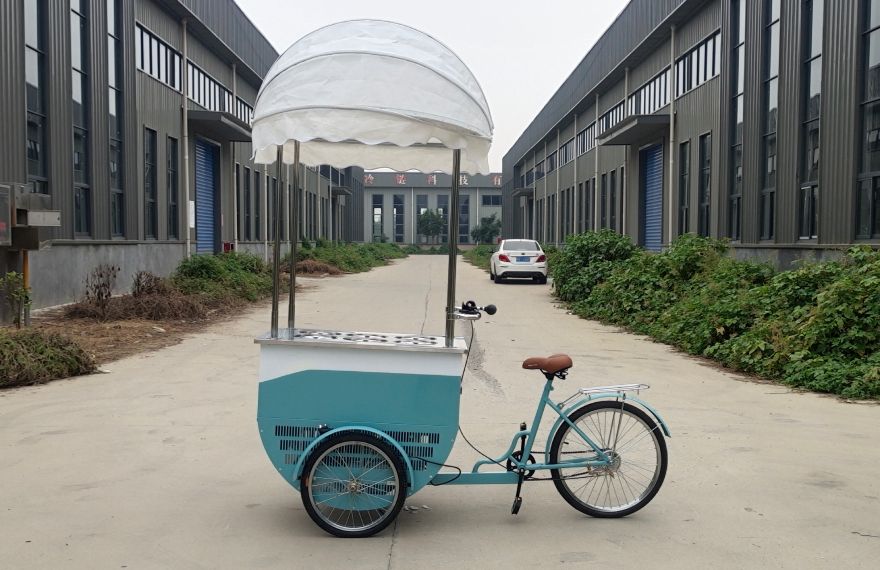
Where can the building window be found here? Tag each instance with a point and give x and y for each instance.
(586, 139)
(705, 183)
(151, 223)
(246, 204)
(603, 203)
(378, 220)
(539, 170)
(611, 117)
(652, 96)
(491, 199)
(770, 111)
(35, 80)
(79, 57)
(701, 63)
(156, 58)
(566, 152)
(868, 198)
(115, 119)
(551, 218)
(443, 209)
(208, 92)
(464, 218)
(811, 88)
(398, 218)
(550, 162)
(258, 205)
(684, 187)
(737, 82)
(172, 187)
(612, 200)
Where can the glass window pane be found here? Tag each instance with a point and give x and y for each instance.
(111, 62)
(871, 138)
(76, 42)
(772, 109)
(770, 161)
(79, 102)
(773, 10)
(816, 24)
(32, 23)
(773, 51)
(36, 158)
(813, 95)
(866, 189)
(740, 63)
(738, 120)
(872, 62)
(111, 18)
(873, 13)
(33, 77)
(115, 164)
(811, 152)
(80, 156)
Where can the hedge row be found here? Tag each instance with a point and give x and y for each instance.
(815, 327)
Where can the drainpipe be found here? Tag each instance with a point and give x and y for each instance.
(234, 177)
(671, 133)
(557, 206)
(186, 201)
(577, 195)
(596, 194)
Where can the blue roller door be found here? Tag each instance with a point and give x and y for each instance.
(651, 182)
(206, 216)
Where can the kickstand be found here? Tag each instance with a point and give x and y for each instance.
(517, 500)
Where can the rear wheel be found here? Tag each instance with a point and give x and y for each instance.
(637, 450)
(354, 484)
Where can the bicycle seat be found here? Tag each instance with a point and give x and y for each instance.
(550, 365)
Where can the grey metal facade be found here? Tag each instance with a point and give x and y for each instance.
(230, 56)
(769, 213)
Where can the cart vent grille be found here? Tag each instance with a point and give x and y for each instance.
(290, 458)
(293, 444)
(296, 431)
(415, 437)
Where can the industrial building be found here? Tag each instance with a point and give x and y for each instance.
(130, 120)
(755, 121)
(395, 200)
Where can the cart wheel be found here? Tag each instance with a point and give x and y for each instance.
(353, 484)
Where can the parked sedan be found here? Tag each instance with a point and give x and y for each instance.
(518, 258)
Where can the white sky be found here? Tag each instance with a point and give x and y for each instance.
(519, 51)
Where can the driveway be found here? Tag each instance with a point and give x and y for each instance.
(158, 463)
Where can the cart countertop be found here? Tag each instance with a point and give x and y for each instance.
(365, 340)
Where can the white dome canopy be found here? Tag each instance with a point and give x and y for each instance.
(374, 94)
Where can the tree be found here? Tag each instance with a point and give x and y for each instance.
(431, 223)
(487, 231)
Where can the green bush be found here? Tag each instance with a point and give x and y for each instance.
(479, 256)
(34, 357)
(586, 261)
(350, 257)
(236, 275)
(815, 327)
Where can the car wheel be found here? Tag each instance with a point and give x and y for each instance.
(542, 280)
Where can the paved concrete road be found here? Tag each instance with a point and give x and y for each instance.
(158, 464)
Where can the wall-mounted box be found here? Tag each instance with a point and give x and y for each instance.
(44, 218)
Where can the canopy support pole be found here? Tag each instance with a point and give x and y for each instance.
(452, 230)
(276, 247)
(294, 238)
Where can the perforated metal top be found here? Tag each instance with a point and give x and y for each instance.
(393, 341)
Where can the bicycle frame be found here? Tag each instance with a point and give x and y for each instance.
(476, 477)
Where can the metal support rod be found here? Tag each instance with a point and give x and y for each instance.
(452, 228)
(276, 248)
(294, 237)
(26, 285)
(185, 126)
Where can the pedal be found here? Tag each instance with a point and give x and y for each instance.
(517, 503)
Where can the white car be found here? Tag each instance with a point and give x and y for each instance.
(520, 258)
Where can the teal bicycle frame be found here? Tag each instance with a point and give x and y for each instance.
(477, 477)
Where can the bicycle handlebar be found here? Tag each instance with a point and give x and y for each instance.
(470, 311)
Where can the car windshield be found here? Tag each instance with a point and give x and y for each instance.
(520, 244)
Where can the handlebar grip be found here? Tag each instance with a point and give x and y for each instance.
(490, 309)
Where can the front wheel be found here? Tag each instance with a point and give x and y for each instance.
(637, 452)
(354, 484)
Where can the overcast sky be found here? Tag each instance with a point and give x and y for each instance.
(519, 51)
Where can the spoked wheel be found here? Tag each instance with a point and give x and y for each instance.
(637, 450)
(354, 484)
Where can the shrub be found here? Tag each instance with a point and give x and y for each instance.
(225, 276)
(99, 288)
(33, 357)
(16, 295)
(586, 261)
(312, 267)
(479, 256)
(146, 283)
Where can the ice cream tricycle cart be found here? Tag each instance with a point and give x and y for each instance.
(359, 421)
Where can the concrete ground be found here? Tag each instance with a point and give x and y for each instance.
(158, 463)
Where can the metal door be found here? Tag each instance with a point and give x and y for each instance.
(651, 190)
(206, 197)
